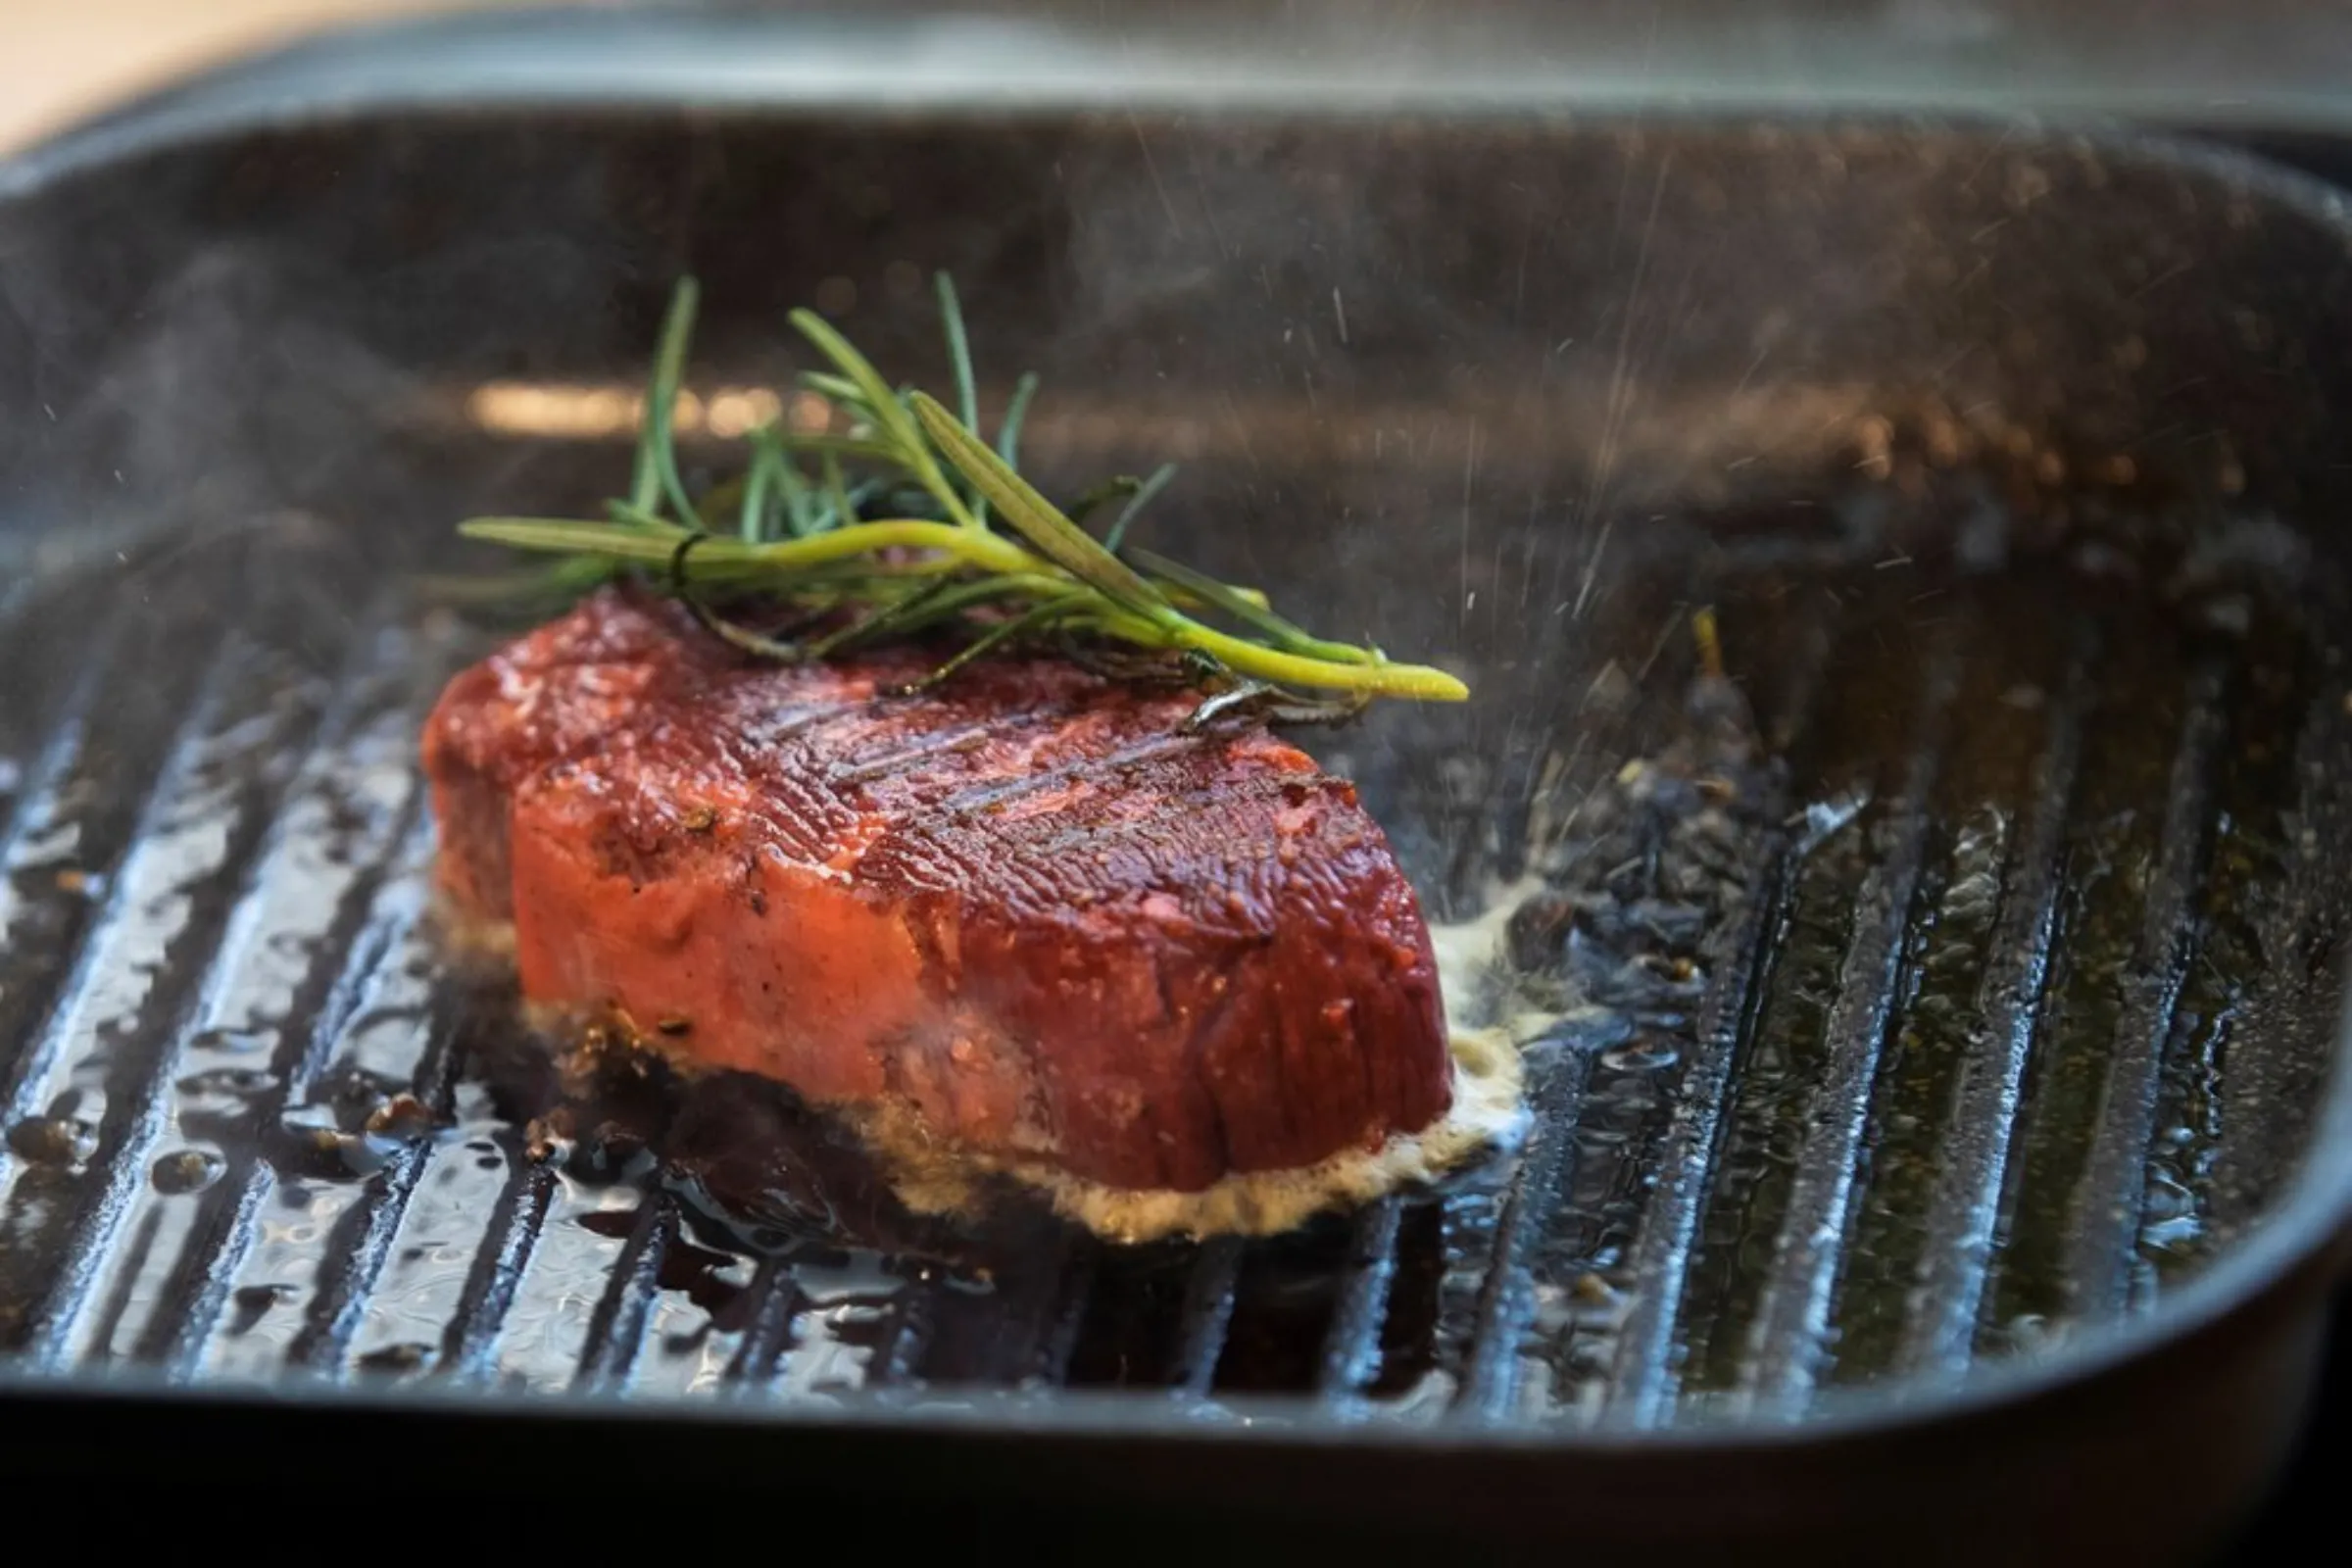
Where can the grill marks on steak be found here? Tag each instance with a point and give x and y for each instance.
(1022, 905)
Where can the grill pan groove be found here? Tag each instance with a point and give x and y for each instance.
(616, 1330)
(1961, 1217)
(1784, 1341)
(148, 914)
(1351, 1350)
(250, 974)
(2106, 1233)
(1668, 1229)
(1508, 1303)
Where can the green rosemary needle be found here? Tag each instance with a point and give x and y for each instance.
(914, 522)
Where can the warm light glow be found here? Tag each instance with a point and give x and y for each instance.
(811, 413)
(578, 413)
(731, 414)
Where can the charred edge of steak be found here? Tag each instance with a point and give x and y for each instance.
(1658, 863)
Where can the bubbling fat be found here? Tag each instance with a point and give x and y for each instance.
(1488, 1115)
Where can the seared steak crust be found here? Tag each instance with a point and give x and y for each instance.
(1022, 905)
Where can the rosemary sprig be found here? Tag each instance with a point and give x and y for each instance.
(913, 521)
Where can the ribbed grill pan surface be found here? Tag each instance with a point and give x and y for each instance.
(1995, 1059)
(2022, 1018)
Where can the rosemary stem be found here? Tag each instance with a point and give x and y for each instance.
(989, 552)
(1290, 669)
(959, 355)
(1009, 434)
(1293, 670)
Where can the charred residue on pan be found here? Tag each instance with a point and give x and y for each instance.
(1627, 933)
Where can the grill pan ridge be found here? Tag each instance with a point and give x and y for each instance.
(2006, 1099)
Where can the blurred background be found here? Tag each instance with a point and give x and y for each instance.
(2183, 61)
(62, 59)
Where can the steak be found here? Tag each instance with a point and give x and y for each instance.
(1026, 907)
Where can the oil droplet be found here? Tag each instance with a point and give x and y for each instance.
(224, 1089)
(231, 1042)
(53, 1140)
(187, 1170)
(252, 1303)
(396, 1361)
(403, 1118)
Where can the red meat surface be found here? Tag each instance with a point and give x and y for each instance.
(1023, 905)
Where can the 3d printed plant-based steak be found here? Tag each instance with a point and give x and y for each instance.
(1025, 908)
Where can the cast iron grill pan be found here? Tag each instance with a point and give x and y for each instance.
(2017, 1013)
(1961, 1080)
